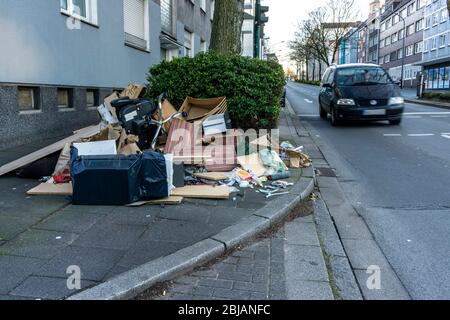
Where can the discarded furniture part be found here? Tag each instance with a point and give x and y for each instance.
(213, 176)
(133, 91)
(50, 189)
(203, 192)
(96, 148)
(167, 111)
(42, 153)
(172, 200)
(252, 163)
(199, 109)
(217, 124)
(118, 180)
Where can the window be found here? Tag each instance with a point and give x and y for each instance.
(393, 56)
(167, 16)
(188, 44)
(64, 100)
(409, 50)
(444, 14)
(410, 30)
(395, 19)
(427, 22)
(410, 9)
(435, 19)
(401, 34)
(203, 5)
(425, 46)
(433, 44)
(203, 46)
(386, 58)
(84, 10)
(136, 23)
(382, 43)
(388, 41)
(394, 37)
(399, 54)
(442, 40)
(28, 98)
(418, 47)
(92, 98)
(403, 13)
(419, 25)
(420, 4)
(388, 23)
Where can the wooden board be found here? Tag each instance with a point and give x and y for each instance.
(172, 200)
(202, 192)
(50, 189)
(42, 153)
(214, 176)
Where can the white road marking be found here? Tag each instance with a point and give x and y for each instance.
(425, 113)
(413, 117)
(438, 116)
(392, 135)
(446, 136)
(421, 135)
(445, 133)
(308, 101)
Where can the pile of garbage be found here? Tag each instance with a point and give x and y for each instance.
(143, 153)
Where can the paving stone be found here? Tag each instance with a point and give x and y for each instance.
(94, 263)
(203, 291)
(260, 278)
(186, 212)
(305, 263)
(115, 271)
(215, 283)
(224, 267)
(206, 274)
(68, 222)
(364, 253)
(344, 279)
(180, 231)
(302, 234)
(15, 270)
(39, 243)
(110, 236)
(146, 250)
(235, 276)
(183, 288)
(231, 260)
(187, 280)
(310, 290)
(13, 226)
(258, 296)
(140, 216)
(248, 286)
(96, 210)
(47, 288)
(231, 294)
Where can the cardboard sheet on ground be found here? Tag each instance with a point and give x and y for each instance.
(252, 162)
(42, 153)
(97, 148)
(213, 176)
(202, 192)
(50, 189)
(172, 200)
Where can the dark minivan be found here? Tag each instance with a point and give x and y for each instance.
(360, 92)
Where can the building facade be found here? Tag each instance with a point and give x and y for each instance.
(401, 39)
(348, 49)
(373, 32)
(60, 58)
(436, 53)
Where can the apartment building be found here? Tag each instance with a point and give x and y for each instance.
(248, 29)
(60, 58)
(348, 49)
(401, 39)
(373, 32)
(436, 52)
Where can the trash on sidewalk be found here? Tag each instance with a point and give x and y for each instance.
(147, 154)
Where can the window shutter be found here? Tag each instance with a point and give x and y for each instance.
(166, 15)
(134, 15)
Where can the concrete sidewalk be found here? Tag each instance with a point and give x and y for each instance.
(40, 237)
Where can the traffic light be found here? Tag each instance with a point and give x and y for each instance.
(261, 17)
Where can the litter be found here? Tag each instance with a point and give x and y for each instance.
(276, 194)
(199, 109)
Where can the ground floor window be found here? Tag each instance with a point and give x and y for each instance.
(437, 77)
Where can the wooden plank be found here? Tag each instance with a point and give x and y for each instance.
(202, 192)
(42, 153)
(172, 200)
(214, 176)
(50, 189)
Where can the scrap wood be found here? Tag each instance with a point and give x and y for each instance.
(133, 91)
(214, 176)
(202, 192)
(172, 200)
(50, 189)
(42, 153)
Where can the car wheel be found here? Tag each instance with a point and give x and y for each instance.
(395, 122)
(334, 119)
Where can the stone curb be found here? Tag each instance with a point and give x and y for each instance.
(435, 104)
(131, 283)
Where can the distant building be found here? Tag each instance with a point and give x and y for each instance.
(348, 50)
(373, 32)
(436, 48)
(393, 32)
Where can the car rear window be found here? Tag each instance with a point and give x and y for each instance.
(362, 76)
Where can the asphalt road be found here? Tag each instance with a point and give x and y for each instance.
(398, 179)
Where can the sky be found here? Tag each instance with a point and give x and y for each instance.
(284, 16)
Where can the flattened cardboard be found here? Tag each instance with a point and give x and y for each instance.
(50, 189)
(133, 91)
(202, 192)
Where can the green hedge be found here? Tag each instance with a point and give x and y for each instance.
(253, 87)
(436, 95)
(311, 82)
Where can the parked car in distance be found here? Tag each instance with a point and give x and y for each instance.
(360, 92)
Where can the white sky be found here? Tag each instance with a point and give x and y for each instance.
(283, 18)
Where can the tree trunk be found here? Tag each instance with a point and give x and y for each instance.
(227, 26)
